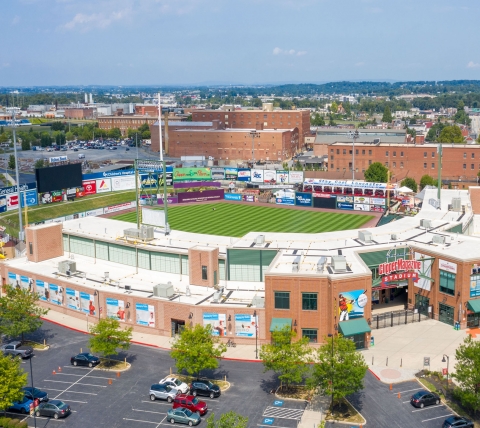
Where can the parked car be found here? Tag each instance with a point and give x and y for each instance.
(183, 416)
(191, 403)
(33, 393)
(22, 406)
(424, 398)
(127, 149)
(175, 383)
(204, 387)
(53, 409)
(164, 392)
(457, 422)
(85, 359)
(16, 349)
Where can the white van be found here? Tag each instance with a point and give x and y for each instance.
(81, 156)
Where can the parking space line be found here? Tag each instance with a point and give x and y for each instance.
(427, 408)
(161, 422)
(77, 368)
(75, 383)
(73, 392)
(139, 420)
(157, 402)
(408, 390)
(438, 417)
(406, 401)
(49, 419)
(268, 426)
(149, 411)
(79, 375)
(73, 401)
(68, 374)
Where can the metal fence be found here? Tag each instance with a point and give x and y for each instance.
(391, 319)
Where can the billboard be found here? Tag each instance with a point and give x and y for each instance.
(231, 173)
(51, 197)
(249, 198)
(126, 182)
(89, 187)
(148, 181)
(104, 185)
(284, 201)
(257, 176)
(232, 197)
(73, 299)
(295, 177)
(42, 290)
(207, 195)
(153, 217)
(115, 309)
(192, 174)
(377, 208)
(361, 207)
(10, 201)
(56, 159)
(245, 325)
(87, 303)
(243, 174)
(351, 304)
(218, 173)
(120, 207)
(217, 323)
(344, 206)
(13, 189)
(361, 200)
(377, 201)
(107, 174)
(59, 177)
(303, 198)
(282, 177)
(145, 314)
(270, 176)
(56, 294)
(348, 199)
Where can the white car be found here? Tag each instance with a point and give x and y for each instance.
(175, 383)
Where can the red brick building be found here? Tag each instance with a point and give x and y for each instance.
(124, 122)
(460, 162)
(79, 113)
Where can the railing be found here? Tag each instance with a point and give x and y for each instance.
(391, 319)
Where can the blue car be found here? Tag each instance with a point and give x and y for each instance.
(22, 406)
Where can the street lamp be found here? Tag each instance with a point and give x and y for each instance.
(33, 393)
(353, 136)
(98, 295)
(256, 334)
(331, 335)
(254, 134)
(448, 362)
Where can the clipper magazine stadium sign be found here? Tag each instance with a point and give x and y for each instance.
(399, 270)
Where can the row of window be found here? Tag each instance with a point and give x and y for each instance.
(394, 153)
(309, 300)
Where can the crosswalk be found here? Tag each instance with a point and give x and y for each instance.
(283, 413)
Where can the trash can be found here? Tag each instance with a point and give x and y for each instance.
(372, 341)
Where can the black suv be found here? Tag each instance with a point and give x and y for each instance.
(204, 387)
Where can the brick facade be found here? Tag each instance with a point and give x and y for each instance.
(125, 122)
(203, 261)
(79, 113)
(44, 242)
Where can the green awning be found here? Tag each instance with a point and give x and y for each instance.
(280, 323)
(356, 326)
(474, 305)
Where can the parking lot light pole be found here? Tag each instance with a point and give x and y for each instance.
(448, 363)
(33, 393)
(331, 335)
(256, 334)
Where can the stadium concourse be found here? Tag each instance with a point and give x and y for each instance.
(245, 288)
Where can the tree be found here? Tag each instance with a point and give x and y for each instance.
(115, 133)
(57, 126)
(19, 312)
(341, 372)
(412, 132)
(332, 121)
(334, 107)
(11, 162)
(451, 134)
(288, 359)
(377, 173)
(107, 337)
(410, 183)
(69, 136)
(387, 115)
(427, 180)
(227, 420)
(196, 349)
(13, 380)
(467, 373)
(39, 163)
(25, 144)
(317, 120)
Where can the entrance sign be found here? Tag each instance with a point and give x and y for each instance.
(399, 264)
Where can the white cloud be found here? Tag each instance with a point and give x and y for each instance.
(95, 20)
(4, 65)
(279, 51)
(472, 64)
(15, 20)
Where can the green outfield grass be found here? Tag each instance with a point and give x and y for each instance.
(237, 220)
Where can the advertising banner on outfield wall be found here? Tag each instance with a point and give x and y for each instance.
(377, 201)
(89, 187)
(257, 176)
(304, 199)
(192, 174)
(218, 173)
(10, 201)
(282, 177)
(126, 182)
(244, 174)
(295, 177)
(232, 197)
(361, 207)
(170, 199)
(51, 197)
(344, 206)
(231, 173)
(120, 207)
(377, 208)
(348, 199)
(207, 195)
(284, 201)
(270, 176)
(107, 174)
(361, 200)
(249, 198)
(104, 185)
(94, 213)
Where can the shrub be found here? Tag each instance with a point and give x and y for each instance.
(12, 423)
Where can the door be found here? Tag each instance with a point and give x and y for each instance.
(473, 320)
(445, 314)
(422, 303)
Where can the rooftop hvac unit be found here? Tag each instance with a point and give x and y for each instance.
(163, 290)
(457, 204)
(438, 239)
(393, 237)
(258, 302)
(339, 263)
(128, 288)
(426, 224)
(296, 264)
(376, 141)
(217, 295)
(67, 267)
(321, 264)
(145, 233)
(260, 240)
(365, 235)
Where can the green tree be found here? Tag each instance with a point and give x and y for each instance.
(387, 115)
(57, 126)
(107, 337)
(227, 420)
(410, 183)
(39, 163)
(332, 121)
(11, 162)
(412, 132)
(69, 136)
(427, 180)
(196, 349)
(115, 133)
(451, 134)
(334, 107)
(143, 128)
(45, 139)
(338, 373)
(317, 120)
(467, 373)
(19, 312)
(287, 358)
(25, 144)
(376, 173)
(13, 380)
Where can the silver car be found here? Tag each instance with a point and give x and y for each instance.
(175, 383)
(163, 392)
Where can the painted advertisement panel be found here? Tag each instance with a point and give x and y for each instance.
(351, 304)
(104, 185)
(282, 177)
(126, 182)
(270, 176)
(217, 323)
(218, 173)
(231, 173)
(361, 207)
(257, 176)
(192, 174)
(245, 325)
(295, 177)
(207, 195)
(115, 309)
(284, 201)
(145, 314)
(73, 299)
(89, 187)
(344, 206)
(232, 197)
(361, 200)
(244, 174)
(304, 199)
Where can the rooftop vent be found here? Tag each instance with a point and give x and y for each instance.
(296, 264)
(393, 237)
(365, 235)
(321, 264)
(457, 204)
(339, 263)
(439, 239)
(163, 290)
(426, 224)
(67, 267)
(260, 240)
(258, 302)
(217, 295)
(145, 233)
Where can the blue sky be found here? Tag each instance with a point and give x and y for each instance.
(161, 42)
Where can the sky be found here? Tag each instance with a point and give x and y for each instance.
(192, 42)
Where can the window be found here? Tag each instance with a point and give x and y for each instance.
(386, 164)
(425, 165)
(386, 153)
(331, 150)
(311, 333)
(464, 166)
(424, 154)
(370, 152)
(338, 151)
(447, 282)
(204, 273)
(433, 165)
(331, 158)
(401, 164)
(363, 152)
(356, 151)
(464, 156)
(331, 165)
(473, 166)
(394, 154)
(30, 246)
(401, 154)
(309, 301)
(394, 164)
(433, 154)
(473, 155)
(370, 162)
(344, 151)
(350, 152)
(282, 300)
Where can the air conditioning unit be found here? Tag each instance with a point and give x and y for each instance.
(296, 264)
(145, 233)
(393, 237)
(426, 224)
(457, 204)
(217, 295)
(365, 236)
(339, 263)
(163, 290)
(258, 302)
(260, 240)
(321, 264)
(128, 288)
(439, 239)
(69, 266)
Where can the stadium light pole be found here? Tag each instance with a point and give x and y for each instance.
(162, 159)
(17, 177)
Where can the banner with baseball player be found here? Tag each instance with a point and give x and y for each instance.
(351, 304)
